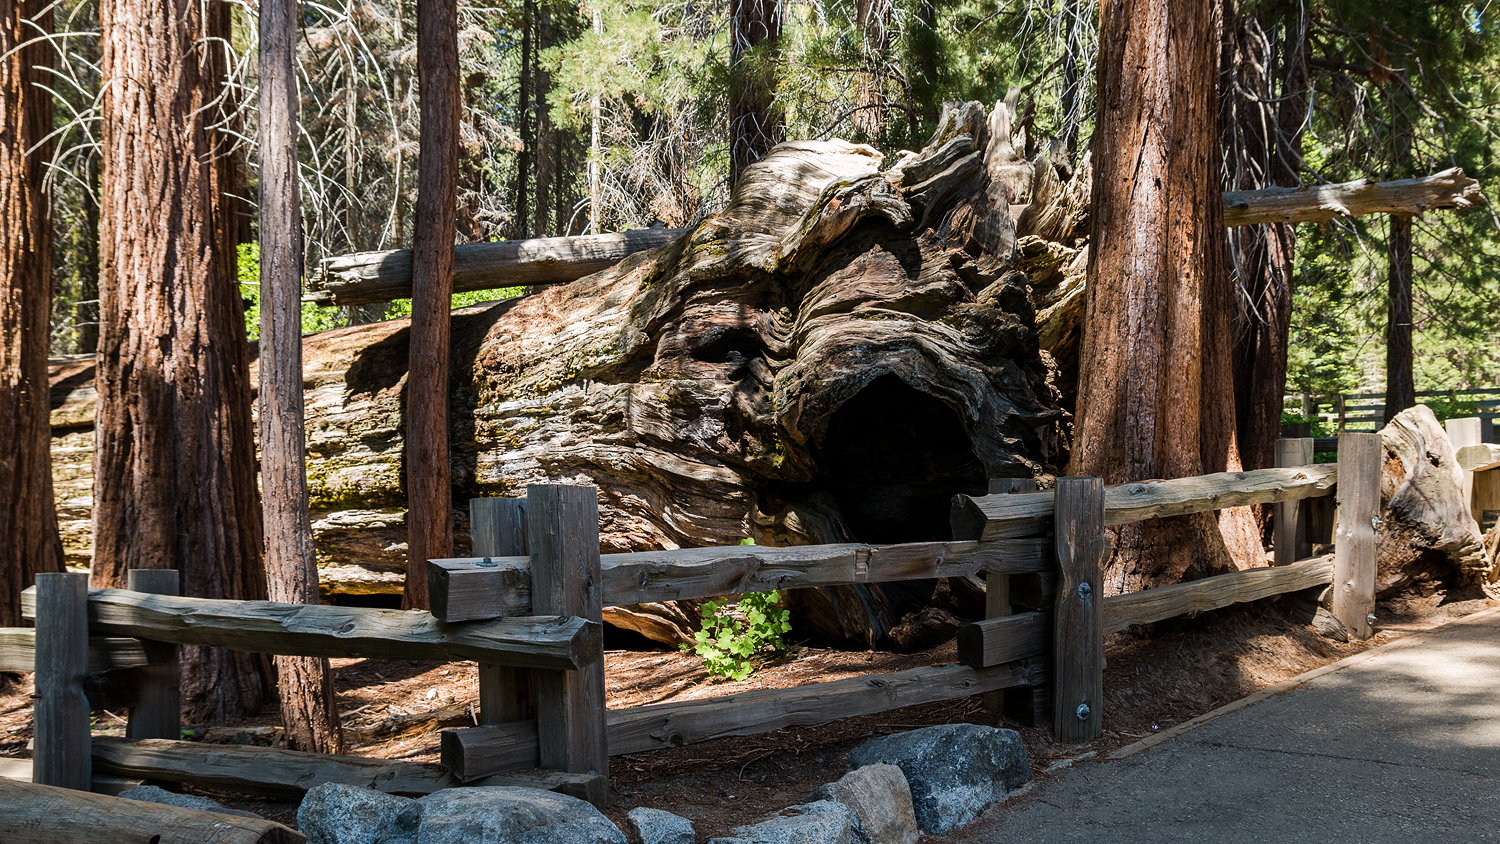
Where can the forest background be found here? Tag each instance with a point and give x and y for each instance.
(615, 114)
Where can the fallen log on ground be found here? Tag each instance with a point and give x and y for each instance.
(832, 358)
(43, 814)
(829, 360)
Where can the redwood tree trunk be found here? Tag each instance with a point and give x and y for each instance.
(1155, 394)
(1400, 386)
(28, 520)
(1262, 126)
(428, 492)
(755, 124)
(304, 684)
(174, 465)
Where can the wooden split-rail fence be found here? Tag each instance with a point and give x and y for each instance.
(528, 608)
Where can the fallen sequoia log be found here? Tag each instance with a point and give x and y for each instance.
(831, 359)
(44, 814)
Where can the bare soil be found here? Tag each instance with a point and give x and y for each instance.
(1155, 677)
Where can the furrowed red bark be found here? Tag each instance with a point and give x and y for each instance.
(755, 123)
(429, 496)
(304, 684)
(28, 520)
(1155, 392)
(174, 467)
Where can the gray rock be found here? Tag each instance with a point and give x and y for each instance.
(653, 826)
(346, 814)
(954, 770)
(880, 801)
(509, 815)
(821, 822)
(152, 794)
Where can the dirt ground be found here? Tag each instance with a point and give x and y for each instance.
(1154, 678)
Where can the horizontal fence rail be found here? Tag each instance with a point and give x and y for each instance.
(993, 517)
(492, 587)
(322, 631)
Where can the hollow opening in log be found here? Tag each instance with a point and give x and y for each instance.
(893, 457)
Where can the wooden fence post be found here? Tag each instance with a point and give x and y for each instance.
(498, 527)
(157, 712)
(1290, 520)
(61, 714)
(563, 538)
(1026, 705)
(1078, 622)
(1462, 432)
(1355, 552)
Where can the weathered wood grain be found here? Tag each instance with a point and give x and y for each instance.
(1289, 521)
(1211, 593)
(311, 630)
(498, 527)
(1445, 189)
(276, 772)
(40, 814)
(61, 709)
(479, 587)
(474, 752)
(993, 517)
(688, 573)
(1479, 457)
(1078, 621)
(365, 277)
(763, 710)
(1463, 434)
(996, 641)
(157, 709)
(563, 537)
(1356, 551)
(106, 653)
(997, 603)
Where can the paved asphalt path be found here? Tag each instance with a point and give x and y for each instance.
(1403, 746)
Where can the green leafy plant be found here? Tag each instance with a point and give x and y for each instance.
(732, 637)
